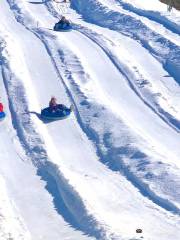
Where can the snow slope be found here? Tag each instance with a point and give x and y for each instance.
(113, 166)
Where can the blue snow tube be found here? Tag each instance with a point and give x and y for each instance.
(62, 28)
(2, 115)
(61, 112)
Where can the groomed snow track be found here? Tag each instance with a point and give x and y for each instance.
(113, 166)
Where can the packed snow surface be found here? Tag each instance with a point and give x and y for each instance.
(111, 170)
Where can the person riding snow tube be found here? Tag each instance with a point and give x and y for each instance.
(62, 25)
(55, 111)
(53, 104)
(2, 113)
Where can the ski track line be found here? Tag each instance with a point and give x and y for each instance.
(74, 103)
(127, 25)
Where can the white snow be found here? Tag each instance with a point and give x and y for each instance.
(112, 167)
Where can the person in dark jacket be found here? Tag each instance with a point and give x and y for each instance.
(64, 22)
(53, 104)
